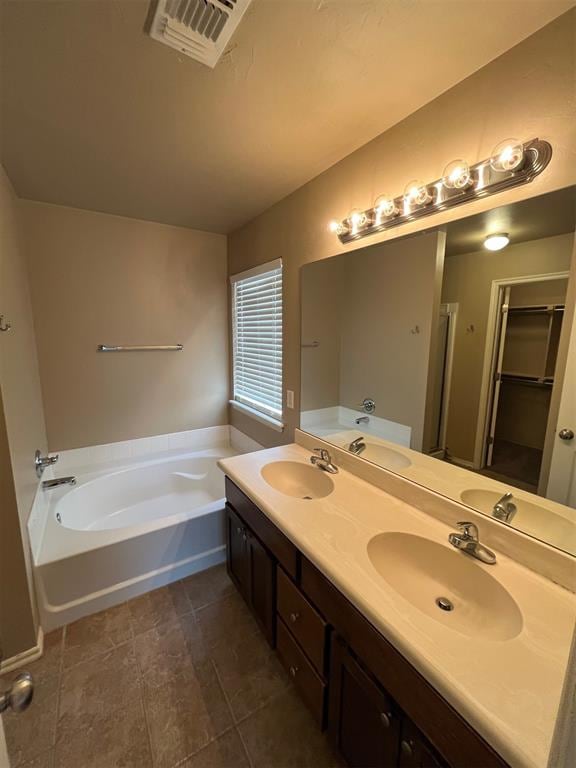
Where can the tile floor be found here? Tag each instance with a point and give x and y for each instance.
(179, 677)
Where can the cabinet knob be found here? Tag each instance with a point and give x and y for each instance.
(293, 671)
(294, 617)
(385, 718)
(407, 747)
(239, 531)
(244, 535)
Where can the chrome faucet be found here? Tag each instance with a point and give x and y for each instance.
(323, 461)
(357, 446)
(504, 509)
(467, 541)
(57, 482)
(362, 420)
(41, 462)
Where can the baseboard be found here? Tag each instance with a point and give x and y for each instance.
(24, 657)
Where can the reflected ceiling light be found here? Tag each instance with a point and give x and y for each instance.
(508, 155)
(496, 242)
(384, 206)
(416, 193)
(457, 175)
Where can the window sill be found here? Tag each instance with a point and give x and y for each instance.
(269, 421)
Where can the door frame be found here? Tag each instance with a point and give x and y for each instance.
(483, 422)
(451, 309)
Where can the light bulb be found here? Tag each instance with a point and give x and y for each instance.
(496, 242)
(457, 175)
(507, 156)
(416, 193)
(384, 206)
(356, 219)
(337, 227)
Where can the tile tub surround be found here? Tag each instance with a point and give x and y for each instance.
(179, 677)
(509, 691)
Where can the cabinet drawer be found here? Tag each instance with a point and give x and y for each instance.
(305, 678)
(303, 621)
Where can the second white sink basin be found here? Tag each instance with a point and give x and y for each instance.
(293, 478)
(530, 518)
(447, 585)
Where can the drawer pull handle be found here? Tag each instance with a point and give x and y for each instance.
(293, 671)
(385, 718)
(294, 617)
(406, 747)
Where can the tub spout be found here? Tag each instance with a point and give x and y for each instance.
(48, 484)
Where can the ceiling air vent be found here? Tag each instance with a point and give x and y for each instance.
(199, 28)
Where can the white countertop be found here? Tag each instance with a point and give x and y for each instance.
(509, 691)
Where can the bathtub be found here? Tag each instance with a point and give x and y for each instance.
(132, 523)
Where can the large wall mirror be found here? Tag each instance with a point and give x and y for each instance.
(455, 365)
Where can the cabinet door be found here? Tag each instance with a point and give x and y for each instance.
(362, 722)
(415, 751)
(262, 587)
(237, 552)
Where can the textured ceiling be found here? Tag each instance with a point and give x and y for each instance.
(97, 115)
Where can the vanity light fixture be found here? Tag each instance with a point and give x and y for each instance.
(508, 155)
(356, 220)
(511, 163)
(457, 175)
(384, 207)
(496, 242)
(416, 193)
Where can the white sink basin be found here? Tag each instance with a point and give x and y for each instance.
(302, 481)
(385, 457)
(424, 572)
(530, 518)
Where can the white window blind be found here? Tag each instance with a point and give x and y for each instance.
(257, 338)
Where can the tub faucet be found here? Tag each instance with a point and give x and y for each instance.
(362, 420)
(357, 446)
(41, 462)
(467, 540)
(323, 461)
(504, 509)
(57, 482)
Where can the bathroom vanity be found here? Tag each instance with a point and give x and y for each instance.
(393, 683)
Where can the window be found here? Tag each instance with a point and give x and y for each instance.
(257, 339)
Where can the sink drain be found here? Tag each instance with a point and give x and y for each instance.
(444, 604)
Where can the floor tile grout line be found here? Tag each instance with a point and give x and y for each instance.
(208, 744)
(143, 698)
(59, 691)
(226, 698)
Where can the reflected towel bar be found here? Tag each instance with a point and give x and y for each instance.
(141, 348)
(311, 344)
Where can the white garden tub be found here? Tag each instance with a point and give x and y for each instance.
(129, 525)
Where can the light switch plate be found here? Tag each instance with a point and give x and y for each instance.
(289, 398)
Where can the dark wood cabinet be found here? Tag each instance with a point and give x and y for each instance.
(364, 723)
(252, 569)
(236, 551)
(379, 710)
(415, 751)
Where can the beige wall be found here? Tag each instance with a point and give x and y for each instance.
(468, 281)
(388, 290)
(17, 630)
(511, 96)
(22, 422)
(323, 309)
(101, 279)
